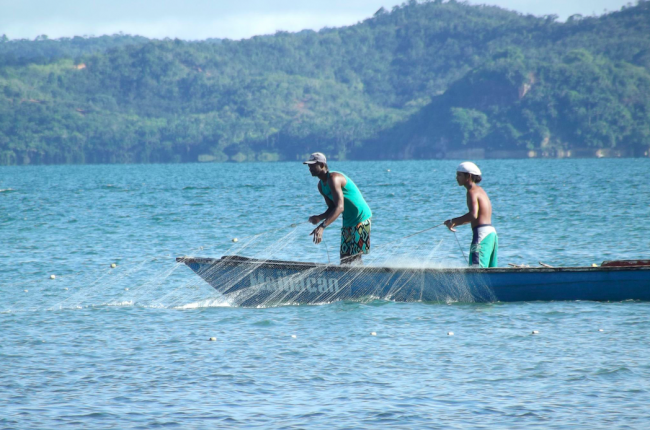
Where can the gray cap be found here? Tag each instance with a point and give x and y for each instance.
(316, 157)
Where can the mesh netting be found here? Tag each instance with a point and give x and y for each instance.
(391, 274)
(402, 271)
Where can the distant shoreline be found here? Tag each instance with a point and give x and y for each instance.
(482, 154)
(457, 157)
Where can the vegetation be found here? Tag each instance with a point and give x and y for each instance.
(423, 80)
(43, 49)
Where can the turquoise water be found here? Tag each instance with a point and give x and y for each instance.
(128, 347)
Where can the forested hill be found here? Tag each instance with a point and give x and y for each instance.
(43, 50)
(427, 79)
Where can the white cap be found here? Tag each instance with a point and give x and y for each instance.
(469, 167)
(316, 157)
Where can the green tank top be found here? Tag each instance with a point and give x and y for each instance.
(355, 208)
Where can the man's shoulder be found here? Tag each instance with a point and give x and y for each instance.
(336, 178)
(483, 193)
(476, 191)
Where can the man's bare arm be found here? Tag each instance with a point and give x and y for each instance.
(469, 217)
(315, 219)
(333, 212)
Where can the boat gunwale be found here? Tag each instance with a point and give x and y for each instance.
(282, 264)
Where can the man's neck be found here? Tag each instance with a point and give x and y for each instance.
(323, 176)
(469, 185)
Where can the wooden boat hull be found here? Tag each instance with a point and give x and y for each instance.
(250, 282)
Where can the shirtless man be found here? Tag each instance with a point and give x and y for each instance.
(342, 197)
(483, 252)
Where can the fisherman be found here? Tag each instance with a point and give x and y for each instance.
(342, 197)
(483, 251)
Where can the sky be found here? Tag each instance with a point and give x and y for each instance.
(232, 19)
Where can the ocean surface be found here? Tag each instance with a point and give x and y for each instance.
(128, 347)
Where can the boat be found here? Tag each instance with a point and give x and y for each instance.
(252, 282)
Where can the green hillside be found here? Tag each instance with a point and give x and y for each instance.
(43, 49)
(423, 80)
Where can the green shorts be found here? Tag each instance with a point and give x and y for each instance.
(485, 245)
(356, 239)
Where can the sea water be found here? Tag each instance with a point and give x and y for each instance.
(128, 347)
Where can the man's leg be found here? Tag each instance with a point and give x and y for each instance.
(475, 255)
(487, 251)
(355, 241)
(352, 260)
(494, 260)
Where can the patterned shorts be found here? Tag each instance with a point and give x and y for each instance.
(356, 240)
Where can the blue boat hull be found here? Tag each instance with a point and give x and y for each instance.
(250, 282)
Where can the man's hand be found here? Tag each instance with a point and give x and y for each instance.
(314, 219)
(318, 234)
(450, 225)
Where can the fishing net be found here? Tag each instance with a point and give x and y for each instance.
(261, 280)
(266, 269)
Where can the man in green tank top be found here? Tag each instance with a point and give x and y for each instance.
(342, 197)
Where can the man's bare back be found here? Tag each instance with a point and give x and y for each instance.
(479, 205)
(483, 250)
